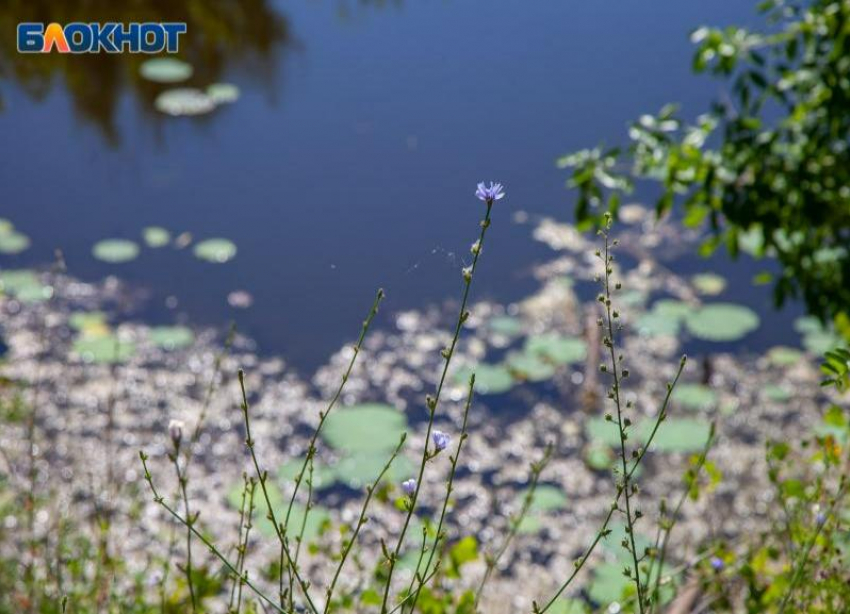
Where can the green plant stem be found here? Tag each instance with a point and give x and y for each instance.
(215, 551)
(615, 373)
(323, 416)
(183, 483)
(262, 476)
(493, 561)
(434, 403)
(436, 546)
(361, 520)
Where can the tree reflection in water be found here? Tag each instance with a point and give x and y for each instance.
(221, 34)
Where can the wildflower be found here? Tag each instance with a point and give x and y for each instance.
(409, 486)
(175, 431)
(476, 247)
(441, 440)
(717, 563)
(467, 274)
(820, 518)
(489, 194)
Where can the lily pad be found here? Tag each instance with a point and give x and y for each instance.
(569, 606)
(695, 396)
(557, 349)
(528, 366)
(507, 326)
(672, 308)
(722, 322)
(489, 379)
(367, 428)
(216, 250)
(6, 226)
(24, 285)
(115, 250)
(547, 498)
(103, 349)
(598, 457)
(608, 584)
(91, 323)
(165, 70)
(315, 521)
(678, 434)
(358, 470)
(223, 93)
(652, 324)
(184, 101)
(13, 242)
(601, 431)
(776, 393)
(155, 236)
(782, 356)
(709, 284)
(530, 525)
(323, 475)
(172, 337)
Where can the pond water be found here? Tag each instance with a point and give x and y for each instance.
(350, 159)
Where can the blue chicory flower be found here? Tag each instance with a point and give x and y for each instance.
(409, 486)
(441, 440)
(495, 191)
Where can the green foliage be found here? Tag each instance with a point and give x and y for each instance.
(768, 169)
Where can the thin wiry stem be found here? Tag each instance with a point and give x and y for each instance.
(361, 520)
(439, 537)
(246, 514)
(534, 479)
(627, 476)
(182, 482)
(434, 402)
(692, 476)
(262, 476)
(628, 488)
(311, 448)
(215, 551)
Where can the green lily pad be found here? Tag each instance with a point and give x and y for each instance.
(557, 349)
(601, 431)
(652, 324)
(165, 70)
(817, 338)
(677, 434)
(172, 337)
(358, 470)
(507, 326)
(695, 396)
(13, 242)
(672, 308)
(155, 236)
(776, 393)
(223, 93)
(6, 226)
(547, 498)
(709, 284)
(529, 366)
(489, 379)
(530, 525)
(598, 457)
(782, 356)
(367, 428)
(24, 285)
(569, 606)
(115, 250)
(215, 250)
(323, 475)
(722, 322)
(315, 521)
(90, 323)
(608, 584)
(184, 101)
(103, 349)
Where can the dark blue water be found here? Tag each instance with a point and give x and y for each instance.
(350, 160)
